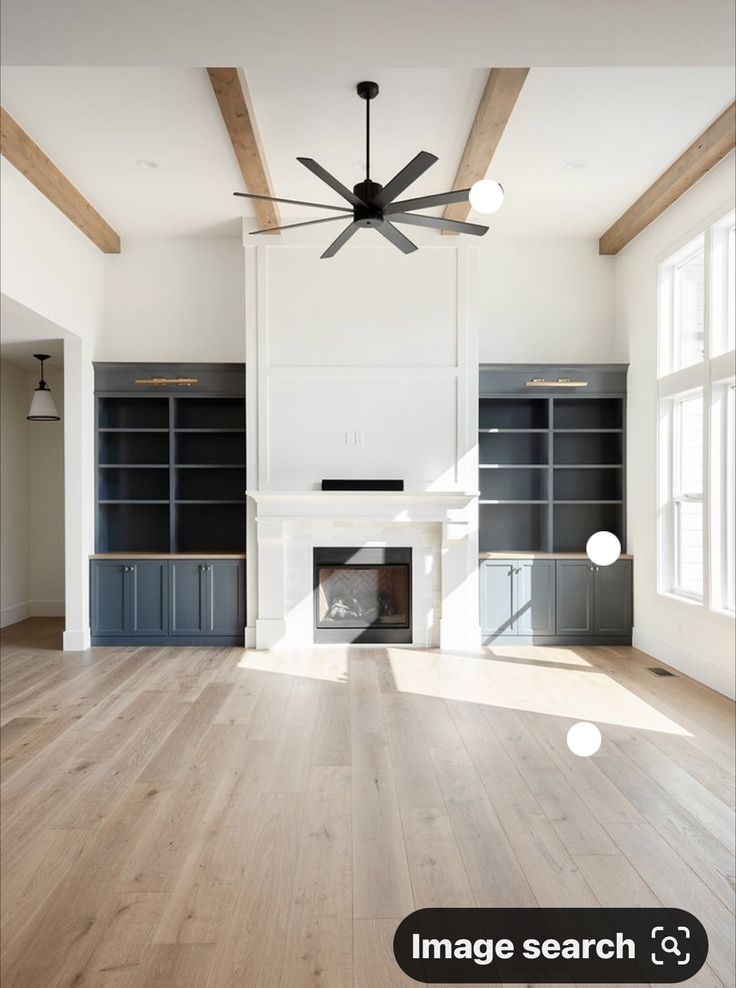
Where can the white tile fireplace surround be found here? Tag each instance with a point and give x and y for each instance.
(435, 525)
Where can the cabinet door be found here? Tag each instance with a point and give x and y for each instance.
(574, 597)
(110, 598)
(188, 610)
(496, 597)
(534, 597)
(613, 598)
(225, 596)
(148, 586)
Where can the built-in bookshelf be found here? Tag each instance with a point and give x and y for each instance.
(170, 473)
(551, 469)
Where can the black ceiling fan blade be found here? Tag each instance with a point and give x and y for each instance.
(403, 179)
(396, 237)
(291, 226)
(293, 202)
(438, 223)
(340, 241)
(330, 180)
(426, 202)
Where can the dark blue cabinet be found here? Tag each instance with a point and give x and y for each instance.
(594, 600)
(225, 597)
(612, 598)
(534, 597)
(575, 597)
(188, 597)
(148, 598)
(175, 601)
(517, 597)
(497, 598)
(110, 598)
(555, 601)
(129, 598)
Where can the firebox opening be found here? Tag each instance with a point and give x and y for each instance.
(362, 595)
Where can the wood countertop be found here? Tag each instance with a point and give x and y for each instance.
(541, 555)
(168, 555)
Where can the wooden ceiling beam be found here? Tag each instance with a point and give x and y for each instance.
(231, 91)
(24, 154)
(499, 97)
(707, 150)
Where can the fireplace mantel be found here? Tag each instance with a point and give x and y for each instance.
(393, 506)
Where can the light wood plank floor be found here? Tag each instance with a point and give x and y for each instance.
(217, 817)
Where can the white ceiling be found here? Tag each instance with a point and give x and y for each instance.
(389, 33)
(96, 124)
(624, 125)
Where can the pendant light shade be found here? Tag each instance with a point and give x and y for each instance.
(42, 407)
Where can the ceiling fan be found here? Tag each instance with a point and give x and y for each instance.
(375, 205)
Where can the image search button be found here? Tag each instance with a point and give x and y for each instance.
(551, 946)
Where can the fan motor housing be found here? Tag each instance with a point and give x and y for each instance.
(367, 216)
(367, 191)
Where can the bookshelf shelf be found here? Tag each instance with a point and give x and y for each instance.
(552, 467)
(170, 473)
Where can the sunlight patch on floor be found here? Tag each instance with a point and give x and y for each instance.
(516, 685)
(538, 654)
(330, 664)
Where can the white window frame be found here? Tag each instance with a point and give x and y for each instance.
(711, 376)
(680, 496)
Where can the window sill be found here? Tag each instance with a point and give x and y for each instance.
(681, 598)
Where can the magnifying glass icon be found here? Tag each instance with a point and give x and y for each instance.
(670, 946)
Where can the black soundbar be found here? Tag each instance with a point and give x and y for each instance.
(362, 485)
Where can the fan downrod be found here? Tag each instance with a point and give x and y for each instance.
(367, 90)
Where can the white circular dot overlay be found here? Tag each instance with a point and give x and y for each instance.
(603, 548)
(584, 739)
(486, 196)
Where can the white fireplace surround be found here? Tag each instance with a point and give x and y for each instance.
(346, 383)
(435, 525)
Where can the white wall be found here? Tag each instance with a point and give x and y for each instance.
(53, 270)
(174, 300)
(32, 508)
(698, 642)
(546, 301)
(371, 344)
(15, 571)
(48, 265)
(46, 475)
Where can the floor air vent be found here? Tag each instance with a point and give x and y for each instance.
(658, 671)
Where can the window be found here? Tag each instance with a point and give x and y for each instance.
(689, 310)
(697, 469)
(724, 495)
(683, 290)
(687, 460)
(729, 493)
(724, 285)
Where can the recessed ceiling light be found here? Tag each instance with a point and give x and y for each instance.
(573, 166)
(147, 164)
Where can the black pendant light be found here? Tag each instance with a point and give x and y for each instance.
(42, 407)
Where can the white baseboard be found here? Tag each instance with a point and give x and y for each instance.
(47, 608)
(76, 641)
(249, 639)
(14, 613)
(722, 680)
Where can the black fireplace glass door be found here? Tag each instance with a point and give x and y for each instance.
(362, 595)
